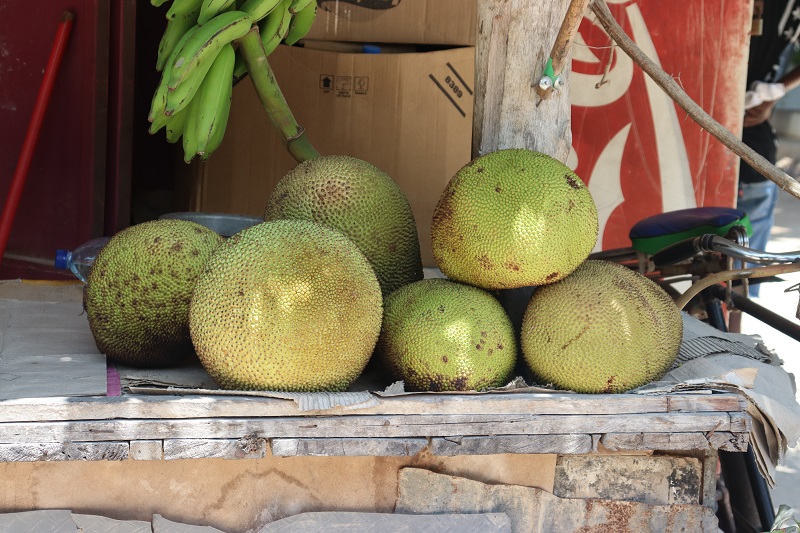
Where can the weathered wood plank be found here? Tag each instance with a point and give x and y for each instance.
(560, 444)
(247, 447)
(368, 426)
(392, 447)
(718, 440)
(740, 422)
(147, 450)
(210, 406)
(709, 492)
(655, 480)
(68, 451)
(510, 58)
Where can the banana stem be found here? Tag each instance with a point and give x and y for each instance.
(272, 98)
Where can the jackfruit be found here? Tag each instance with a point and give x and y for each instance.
(440, 335)
(138, 291)
(513, 218)
(602, 329)
(363, 202)
(287, 305)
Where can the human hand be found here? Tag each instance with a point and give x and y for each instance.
(758, 114)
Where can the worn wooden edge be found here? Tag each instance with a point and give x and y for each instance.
(200, 406)
(709, 490)
(146, 450)
(516, 444)
(383, 447)
(67, 451)
(252, 447)
(247, 447)
(374, 426)
(716, 440)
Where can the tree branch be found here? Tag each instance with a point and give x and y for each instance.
(566, 34)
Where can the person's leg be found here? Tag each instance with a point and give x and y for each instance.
(758, 200)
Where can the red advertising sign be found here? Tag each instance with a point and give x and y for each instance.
(639, 152)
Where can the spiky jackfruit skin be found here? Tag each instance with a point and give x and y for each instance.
(439, 335)
(138, 291)
(363, 202)
(602, 329)
(513, 218)
(288, 305)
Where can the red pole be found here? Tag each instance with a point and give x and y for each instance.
(34, 127)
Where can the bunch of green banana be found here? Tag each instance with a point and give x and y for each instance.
(193, 97)
(199, 64)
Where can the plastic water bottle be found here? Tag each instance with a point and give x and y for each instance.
(80, 260)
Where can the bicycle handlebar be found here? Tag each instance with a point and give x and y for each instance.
(714, 243)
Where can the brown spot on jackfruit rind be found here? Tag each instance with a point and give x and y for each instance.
(177, 246)
(552, 276)
(576, 337)
(572, 182)
(485, 262)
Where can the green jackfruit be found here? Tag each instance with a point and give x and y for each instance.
(361, 201)
(138, 291)
(287, 305)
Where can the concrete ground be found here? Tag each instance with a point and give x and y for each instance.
(785, 238)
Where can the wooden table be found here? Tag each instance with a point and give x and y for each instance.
(173, 427)
(143, 453)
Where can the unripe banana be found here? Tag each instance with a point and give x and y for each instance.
(158, 105)
(204, 45)
(239, 69)
(275, 27)
(301, 23)
(258, 9)
(180, 97)
(176, 125)
(213, 102)
(298, 5)
(181, 8)
(211, 8)
(190, 133)
(159, 101)
(173, 35)
(158, 122)
(163, 96)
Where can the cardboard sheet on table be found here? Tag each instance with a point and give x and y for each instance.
(46, 350)
(758, 377)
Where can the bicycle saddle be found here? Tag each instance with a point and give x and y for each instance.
(657, 232)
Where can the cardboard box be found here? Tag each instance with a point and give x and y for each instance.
(409, 114)
(450, 22)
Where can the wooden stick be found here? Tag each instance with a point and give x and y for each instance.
(671, 87)
(569, 27)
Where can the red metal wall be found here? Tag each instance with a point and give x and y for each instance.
(638, 150)
(63, 203)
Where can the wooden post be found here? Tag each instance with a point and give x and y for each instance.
(514, 41)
